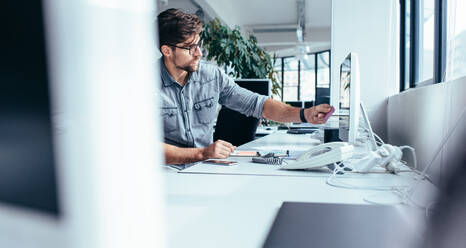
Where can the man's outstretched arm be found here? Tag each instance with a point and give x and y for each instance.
(178, 155)
(278, 111)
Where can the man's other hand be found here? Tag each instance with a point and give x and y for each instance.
(316, 114)
(218, 149)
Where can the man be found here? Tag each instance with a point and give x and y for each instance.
(192, 88)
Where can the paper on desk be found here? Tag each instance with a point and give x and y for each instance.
(244, 153)
(281, 148)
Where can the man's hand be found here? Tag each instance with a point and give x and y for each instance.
(218, 149)
(316, 114)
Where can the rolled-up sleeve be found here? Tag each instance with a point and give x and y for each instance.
(239, 99)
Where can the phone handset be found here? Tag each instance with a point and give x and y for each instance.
(321, 155)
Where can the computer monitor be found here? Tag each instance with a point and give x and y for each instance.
(260, 86)
(368, 129)
(79, 141)
(308, 104)
(349, 107)
(298, 104)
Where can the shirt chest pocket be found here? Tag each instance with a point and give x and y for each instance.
(170, 118)
(204, 110)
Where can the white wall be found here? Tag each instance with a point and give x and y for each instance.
(431, 119)
(184, 5)
(369, 28)
(221, 10)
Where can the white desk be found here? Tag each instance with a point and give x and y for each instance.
(263, 131)
(205, 210)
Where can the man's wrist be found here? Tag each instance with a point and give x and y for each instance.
(200, 154)
(302, 116)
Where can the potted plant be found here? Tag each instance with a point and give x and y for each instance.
(246, 59)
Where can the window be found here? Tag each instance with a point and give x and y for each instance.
(278, 68)
(406, 43)
(323, 70)
(456, 39)
(426, 43)
(308, 79)
(432, 41)
(290, 79)
(300, 79)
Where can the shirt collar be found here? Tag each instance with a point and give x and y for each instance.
(168, 80)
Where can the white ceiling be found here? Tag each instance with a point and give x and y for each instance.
(271, 15)
(253, 12)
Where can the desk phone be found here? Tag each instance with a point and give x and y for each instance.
(320, 156)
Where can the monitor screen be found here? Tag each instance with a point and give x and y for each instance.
(345, 84)
(308, 104)
(27, 167)
(344, 101)
(298, 104)
(260, 86)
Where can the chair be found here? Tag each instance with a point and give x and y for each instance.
(235, 127)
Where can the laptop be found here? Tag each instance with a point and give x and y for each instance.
(300, 224)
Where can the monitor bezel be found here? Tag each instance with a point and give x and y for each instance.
(107, 149)
(354, 111)
(256, 81)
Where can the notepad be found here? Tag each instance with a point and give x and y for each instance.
(244, 153)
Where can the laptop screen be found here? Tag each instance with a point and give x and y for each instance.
(27, 166)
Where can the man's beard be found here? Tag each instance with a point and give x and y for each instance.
(188, 68)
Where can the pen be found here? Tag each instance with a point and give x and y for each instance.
(287, 154)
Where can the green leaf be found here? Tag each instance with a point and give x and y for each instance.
(229, 48)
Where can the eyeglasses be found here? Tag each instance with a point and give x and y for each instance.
(192, 48)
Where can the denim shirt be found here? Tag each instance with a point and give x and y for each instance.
(189, 112)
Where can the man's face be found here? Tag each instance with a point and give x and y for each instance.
(187, 59)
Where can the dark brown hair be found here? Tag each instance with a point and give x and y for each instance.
(176, 26)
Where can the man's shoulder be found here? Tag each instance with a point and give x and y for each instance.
(208, 70)
(207, 66)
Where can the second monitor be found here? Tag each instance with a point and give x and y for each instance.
(260, 86)
(349, 107)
